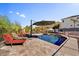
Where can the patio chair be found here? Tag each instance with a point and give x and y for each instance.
(9, 40)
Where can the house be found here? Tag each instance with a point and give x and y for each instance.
(70, 23)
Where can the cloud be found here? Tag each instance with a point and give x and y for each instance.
(22, 15)
(17, 13)
(10, 11)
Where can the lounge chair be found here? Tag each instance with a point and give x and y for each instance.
(9, 40)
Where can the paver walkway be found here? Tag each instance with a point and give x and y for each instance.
(34, 47)
(37, 47)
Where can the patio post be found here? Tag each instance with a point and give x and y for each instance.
(31, 28)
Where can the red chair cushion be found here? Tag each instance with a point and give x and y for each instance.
(8, 39)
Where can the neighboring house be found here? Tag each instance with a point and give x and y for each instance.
(67, 23)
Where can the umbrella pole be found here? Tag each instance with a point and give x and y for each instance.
(31, 28)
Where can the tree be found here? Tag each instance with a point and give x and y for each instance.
(27, 28)
(56, 26)
(7, 27)
(4, 24)
(43, 24)
(15, 27)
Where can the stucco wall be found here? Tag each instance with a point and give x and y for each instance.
(68, 23)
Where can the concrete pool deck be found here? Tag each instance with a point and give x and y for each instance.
(34, 47)
(37, 47)
(69, 49)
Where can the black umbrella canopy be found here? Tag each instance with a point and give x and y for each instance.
(42, 23)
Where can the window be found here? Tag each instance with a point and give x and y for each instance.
(62, 20)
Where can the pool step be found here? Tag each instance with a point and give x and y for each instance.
(60, 41)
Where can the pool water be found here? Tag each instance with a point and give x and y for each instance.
(57, 40)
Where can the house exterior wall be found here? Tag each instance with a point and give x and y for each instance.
(68, 23)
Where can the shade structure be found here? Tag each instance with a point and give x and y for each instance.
(42, 23)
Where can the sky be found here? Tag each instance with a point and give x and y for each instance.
(24, 12)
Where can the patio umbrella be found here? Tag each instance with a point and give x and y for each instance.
(43, 23)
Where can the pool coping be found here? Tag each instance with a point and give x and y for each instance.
(70, 48)
(61, 45)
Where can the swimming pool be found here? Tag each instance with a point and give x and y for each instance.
(55, 39)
